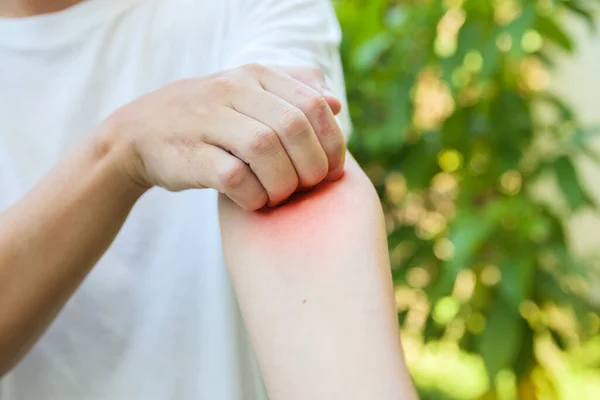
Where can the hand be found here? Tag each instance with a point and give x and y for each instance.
(254, 133)
(314, 78)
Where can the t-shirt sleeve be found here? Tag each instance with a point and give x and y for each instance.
(289, 33)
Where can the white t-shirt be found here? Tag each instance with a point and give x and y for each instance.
(156, 317)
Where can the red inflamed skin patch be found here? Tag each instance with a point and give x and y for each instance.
(313, 220)
(311, 233)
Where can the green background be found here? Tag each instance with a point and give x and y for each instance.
(455, 126)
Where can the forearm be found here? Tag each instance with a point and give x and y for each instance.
(52, 237)
(313, 282)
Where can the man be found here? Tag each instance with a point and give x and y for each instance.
(112, 277)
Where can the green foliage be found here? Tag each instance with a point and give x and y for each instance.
(445, 98)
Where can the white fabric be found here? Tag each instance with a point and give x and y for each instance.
(156, 318)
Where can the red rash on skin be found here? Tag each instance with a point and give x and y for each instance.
(300, 210)
(313, 220)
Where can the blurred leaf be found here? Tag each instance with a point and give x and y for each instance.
(467, 233)
(395, 17)
(582, 136)
(401, 112)
(581, 141)
(525, 360)
(432, 331)
(548, 286)
(469, 38)
(368, 54)
(402, 317)
(591, 154)
(401, 234)
(566, 113)
(470, 228)
(517, 279)
(523, 22)
(491, 57)
(526, 389)
(468, 343)
(576, 7)
(417, 173)
(429, 393)
(498, 345)
(568, 181)
(569, 265)
(548, 28)
(520, 25)
(558, 340)
(546, 59)
(360, 20)
(545, 384)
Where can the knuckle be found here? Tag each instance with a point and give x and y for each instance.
(264, 141)
(257, 203)
(318, 174)
(254, 68)
(294, 123)
(290, 183)
(201, 111)
(232, 177)
(317, 105)
(224, 84)
(313, 73)
(285, 191)
(292, 187)
(318, 74)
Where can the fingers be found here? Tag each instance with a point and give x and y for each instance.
(314, 106)
(204, 165)
(334, 103)
(258, 146)
(314, 78)
(293, 129)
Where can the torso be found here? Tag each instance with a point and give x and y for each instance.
(156, 318)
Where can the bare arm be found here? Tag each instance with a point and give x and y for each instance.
(313, 281)
(51, 239)
(183, 136)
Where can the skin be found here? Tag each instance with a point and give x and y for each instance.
(313, 281)
(317, 298)
(172, 138)
(253, 133)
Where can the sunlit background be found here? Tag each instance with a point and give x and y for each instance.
(475, 119)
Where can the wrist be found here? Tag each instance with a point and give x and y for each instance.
(113, 148)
